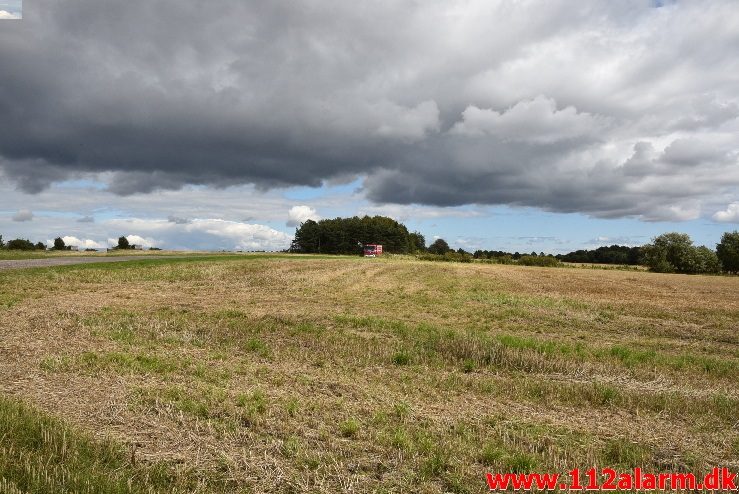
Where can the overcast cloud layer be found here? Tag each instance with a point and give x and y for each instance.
(613, 109)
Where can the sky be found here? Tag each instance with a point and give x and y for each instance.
(521, 126)
(11, 9)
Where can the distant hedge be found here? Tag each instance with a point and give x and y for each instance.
(447, 257)
(543, 261)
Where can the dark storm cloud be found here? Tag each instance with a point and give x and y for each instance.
(611, 109)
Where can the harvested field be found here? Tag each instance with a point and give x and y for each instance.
(60, 261)
(271, 373)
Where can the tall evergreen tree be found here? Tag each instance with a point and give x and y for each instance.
(123, 243)
(59, 244)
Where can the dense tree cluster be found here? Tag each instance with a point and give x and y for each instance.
(439, 247)
(728, 252)
(613, 254)
(347, 235)
(675, 253)
(21, 244)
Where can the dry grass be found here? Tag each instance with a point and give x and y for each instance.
(283, 374)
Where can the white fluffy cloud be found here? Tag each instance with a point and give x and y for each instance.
(4, 14)
(145, 242)
(81, 243)
(729, 215)
(301, 214)
(535, 120)
(206, 234)
(23, 215)
(244, 236)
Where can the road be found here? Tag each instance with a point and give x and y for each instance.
(66, 261)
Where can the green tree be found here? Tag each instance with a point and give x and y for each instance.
(20, 244)
(706, 260)
(40, 246)
(675, 253)
(59, 244)
(668, 253)
(416, 242)
(2, 244)
(728, 251)
(439, 247)
(307, 237)
(347, 235)
(123, 243)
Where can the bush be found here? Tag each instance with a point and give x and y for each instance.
(662, 266)
(457, 257)
(401, 358)
(450, 256)
(349, 428)
(541, 261)
(430, 257)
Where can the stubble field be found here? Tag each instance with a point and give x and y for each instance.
(269, 373)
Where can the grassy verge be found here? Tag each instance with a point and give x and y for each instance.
(39, 453)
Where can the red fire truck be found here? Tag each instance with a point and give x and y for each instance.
(372, 250)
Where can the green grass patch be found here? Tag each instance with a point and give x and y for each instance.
(349, 428)
(624, 453)
(41, 454)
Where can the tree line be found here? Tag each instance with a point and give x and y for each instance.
(21, 244)
(59, 244)
(613, 254)
(667, 253)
